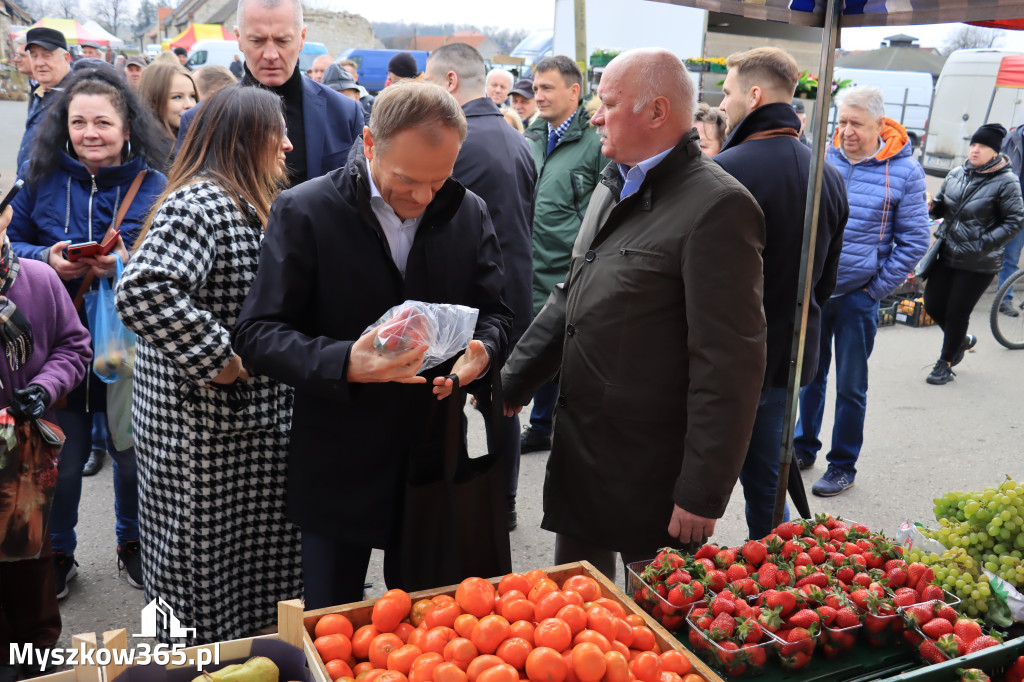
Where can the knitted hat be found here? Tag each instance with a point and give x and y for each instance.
(404, 65)
(990, 135)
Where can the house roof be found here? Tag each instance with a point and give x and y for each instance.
(17, 14)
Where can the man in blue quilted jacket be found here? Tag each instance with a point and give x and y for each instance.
(886, 234)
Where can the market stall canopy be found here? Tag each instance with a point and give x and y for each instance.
(196, 32)
(865, 12)
(1011, 72)
(73, 31)
(895, 59)
(94, 28)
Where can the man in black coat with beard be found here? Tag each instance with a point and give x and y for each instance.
(495, 163)
(765, 154)
(339, 252)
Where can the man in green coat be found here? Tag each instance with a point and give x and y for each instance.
(567, 151)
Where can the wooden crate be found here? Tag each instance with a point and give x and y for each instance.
(296, 626)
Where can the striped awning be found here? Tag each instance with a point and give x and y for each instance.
(866, 12)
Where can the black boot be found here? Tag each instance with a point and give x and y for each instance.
(94, 463)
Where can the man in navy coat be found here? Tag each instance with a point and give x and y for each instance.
(322, 125)
(495, 163)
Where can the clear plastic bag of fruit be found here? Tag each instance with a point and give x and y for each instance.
(445, 328)
(113, 346)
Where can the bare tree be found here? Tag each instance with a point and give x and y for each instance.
(66, 8)
(110, 13)
(966, 37)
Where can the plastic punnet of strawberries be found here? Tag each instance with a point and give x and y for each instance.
(939, 633)
(668, 586)
(729, 634)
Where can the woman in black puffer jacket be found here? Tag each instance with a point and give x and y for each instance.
(981, 207)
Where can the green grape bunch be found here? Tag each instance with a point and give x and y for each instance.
(980, 530)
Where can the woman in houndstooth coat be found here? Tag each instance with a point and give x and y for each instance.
(211, 440)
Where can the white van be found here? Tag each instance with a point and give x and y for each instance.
(220, 52)
(908, 96)
(966, 97)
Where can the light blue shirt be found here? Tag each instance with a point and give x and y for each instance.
(634, 176)
(400, 233)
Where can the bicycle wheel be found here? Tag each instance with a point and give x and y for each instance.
(1007, 329)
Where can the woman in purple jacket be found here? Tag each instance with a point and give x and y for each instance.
(47, 351)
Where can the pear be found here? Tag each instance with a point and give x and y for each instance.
(256, 669)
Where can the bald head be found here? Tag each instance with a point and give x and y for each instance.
(647, 104)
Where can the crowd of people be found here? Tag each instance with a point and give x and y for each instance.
(264, 219)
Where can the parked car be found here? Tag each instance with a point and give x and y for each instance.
(153, 51)
(372, 65)
(220, 52)
(966, 97)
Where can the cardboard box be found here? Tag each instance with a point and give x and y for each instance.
(296, 626)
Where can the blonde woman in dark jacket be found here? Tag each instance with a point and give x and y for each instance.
(981, 207)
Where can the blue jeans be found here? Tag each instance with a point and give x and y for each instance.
(77, 426)
(760, 473)
(852, 320)
(99, 431)
(1011, 257)
(543, 414)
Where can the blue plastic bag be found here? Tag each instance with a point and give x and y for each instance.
(113, 346)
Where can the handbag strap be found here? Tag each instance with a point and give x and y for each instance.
(122, 211)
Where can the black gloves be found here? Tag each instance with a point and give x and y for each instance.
(29, 402)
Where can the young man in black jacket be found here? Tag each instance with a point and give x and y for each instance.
(764, 152)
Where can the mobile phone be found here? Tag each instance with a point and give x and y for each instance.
(89, 249)
(18, 184)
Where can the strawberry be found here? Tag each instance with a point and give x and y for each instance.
(767, 575)
(919, 615)
(802, 559)
(723, 626)
(785, 601)
(756, 656)
(983, 642)
(913, 638)
(735, 572)
(727, 656)
(972, 675)
(826, 614)
(1015, 673)
(905, 596)
(930, 592)
(914, 573)
(937, 627)
(951, 645)
(821, 531)
(725, 557)
(946, 612)
(715, 580)
(860, 598)
(804, 618)
(895, 563)
(846, 617)
(968, 629)
(707, 551)
(818, 555)
(788, 529)
(817, 578)
(930, 652)
(703, 565)
(745, 587)
(769, 620)
(846, 574)
(790, 548)
(851, 548)
(754, 552)
(748, 630)
(697, 640)
(678, 576)
(720, 605)
(896, 577)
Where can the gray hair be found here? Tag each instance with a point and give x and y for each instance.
(500, 72)
(865, 97)
(662, 74)
(461, 58)
(414, 104)
(268, 4)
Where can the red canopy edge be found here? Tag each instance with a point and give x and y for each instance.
(1011, 72)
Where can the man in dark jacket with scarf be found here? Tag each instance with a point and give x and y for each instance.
(495, 164)
(339, 252)
(658, 331)
(765, 154)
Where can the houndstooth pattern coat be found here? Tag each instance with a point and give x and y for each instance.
(216, 544)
